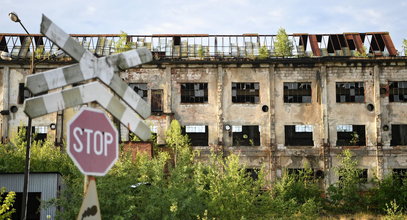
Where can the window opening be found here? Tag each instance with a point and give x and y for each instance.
(398, 135)
(350, 92)
(350, 135)
(245, 93)
(194, 92)
(246, 135)
(295, 92)
(398, 91)
(298, 135)
(198, 134)
(141, 89)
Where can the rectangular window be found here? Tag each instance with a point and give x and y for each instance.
(400, 175)
(295, 92)
(363, 175)
(198, 134)
(245, 92)
(398, 91)
(246, 135)
(194, 92)
(252, 173)
(398, 135)
(38, 133)
(157, 101)
(23, 93)
(350, 92)
(350, 135)
(308, 174)
(298, 135)
(141, 89)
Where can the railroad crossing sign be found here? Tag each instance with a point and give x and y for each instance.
(92, 142)
(89, 67)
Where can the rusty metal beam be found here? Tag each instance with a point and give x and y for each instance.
(314, 45)
(389, 44)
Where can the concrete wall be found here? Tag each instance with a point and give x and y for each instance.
(323, 113)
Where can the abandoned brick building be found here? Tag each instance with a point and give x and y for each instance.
(232, 94)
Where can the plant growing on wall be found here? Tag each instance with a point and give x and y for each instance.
(405, 46)
(283, 46)
(263, 53)
(122, 44)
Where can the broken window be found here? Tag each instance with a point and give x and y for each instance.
(350, 92)
(252, 173)
(157, 101)
(38, 133)
(350, 135)
(245, 93)
(398, 135)
(298, 135)
(23, 93)
(400, 175)
(308, 174)
(141, 89)
(398, 91)
(194, 92)
(246, 135)
(295, 92)
(198, 134)
(363, 175)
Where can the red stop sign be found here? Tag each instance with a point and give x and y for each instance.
(92, 142)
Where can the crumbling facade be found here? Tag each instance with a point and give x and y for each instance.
(278, 113)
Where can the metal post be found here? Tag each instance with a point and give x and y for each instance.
(26, 172)
(14, 17)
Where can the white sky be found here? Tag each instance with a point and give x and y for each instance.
(210, 16)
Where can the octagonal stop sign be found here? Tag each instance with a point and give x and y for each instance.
(92, 142)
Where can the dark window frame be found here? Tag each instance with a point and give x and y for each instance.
(298, 138)
(397, 91)
(246, 92)
(346, 137)
(141, 89)
(191, 93)
(248, 136)
(397, 137)
(197, 138)
(350, 92)
(297, 92)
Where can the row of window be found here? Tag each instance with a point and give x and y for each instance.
(295, 135)
(294, 92)
(248, 92)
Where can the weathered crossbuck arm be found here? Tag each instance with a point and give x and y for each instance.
(94, 91)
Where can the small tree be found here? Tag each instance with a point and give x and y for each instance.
(263, 53)
(405, 47)
(122, 44)
(175, 139)
(345, 194)
(283, 46)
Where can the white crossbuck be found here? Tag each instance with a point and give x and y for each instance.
(90, 92)
(89, 67)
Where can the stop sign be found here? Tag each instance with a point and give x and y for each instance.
(92, 142)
